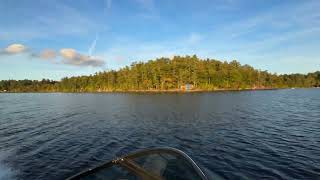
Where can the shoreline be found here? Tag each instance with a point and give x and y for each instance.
(163, 91)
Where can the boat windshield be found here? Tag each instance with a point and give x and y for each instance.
(155, 164)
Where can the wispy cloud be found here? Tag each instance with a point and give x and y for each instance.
(147, 4)
(127, 51)
(194, 38)
(108, 4)
(256, 35)
(226, 5)
(279, 19)
(58, 19)
(274, 30)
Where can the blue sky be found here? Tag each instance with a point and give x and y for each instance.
(57, 38)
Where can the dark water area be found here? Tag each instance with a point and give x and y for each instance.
(272, 134)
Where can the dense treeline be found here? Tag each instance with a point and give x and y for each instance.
(170, 74)
(44, 85)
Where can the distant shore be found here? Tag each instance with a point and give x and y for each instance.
(158, 91)
(189, 91)
(180, 74)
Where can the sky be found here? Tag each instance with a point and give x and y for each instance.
(57, 38)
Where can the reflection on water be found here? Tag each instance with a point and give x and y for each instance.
(252, 134)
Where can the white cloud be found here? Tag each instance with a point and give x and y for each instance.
(69, 56)
(13, 49)
(72, 57)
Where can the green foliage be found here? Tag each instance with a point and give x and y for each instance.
(169, 74)
(44, 85)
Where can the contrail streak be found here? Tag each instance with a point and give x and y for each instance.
(93, 46)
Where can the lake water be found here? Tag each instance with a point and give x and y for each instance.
(272, 134)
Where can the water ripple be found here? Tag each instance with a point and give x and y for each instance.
(238, 135)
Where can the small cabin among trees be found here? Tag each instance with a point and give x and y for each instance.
(186, 87)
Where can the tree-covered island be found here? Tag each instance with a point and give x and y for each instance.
(188, 73)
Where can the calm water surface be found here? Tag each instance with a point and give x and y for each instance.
(239, 135)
